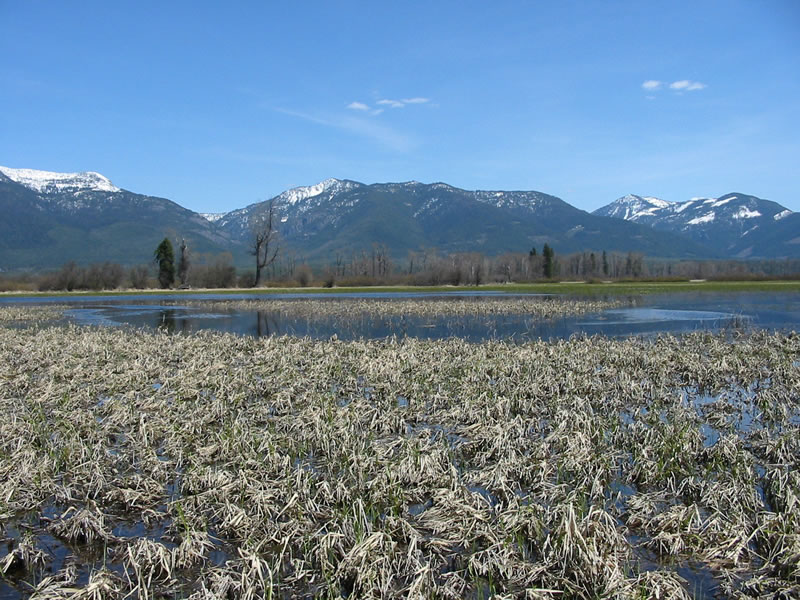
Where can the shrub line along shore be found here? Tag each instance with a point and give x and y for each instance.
(568, 288)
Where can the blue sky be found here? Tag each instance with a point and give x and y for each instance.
(216, 106)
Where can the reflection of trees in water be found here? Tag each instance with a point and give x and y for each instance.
(359, 325)
(170, 321)
(266, 323)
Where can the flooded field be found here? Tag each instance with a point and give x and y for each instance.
(136, 463)
(471, 316)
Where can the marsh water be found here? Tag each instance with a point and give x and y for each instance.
(638, 315)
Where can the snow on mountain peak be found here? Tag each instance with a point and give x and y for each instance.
(633, 199)
(50, 182)
(212, 217)
(632, 207)
(746, 213)
(722, 201)
(706, 218)
(657, 201)
(298, 194)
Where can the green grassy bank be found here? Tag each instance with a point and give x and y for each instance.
(571, 288)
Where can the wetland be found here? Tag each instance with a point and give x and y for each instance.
(470, 315)
(140, 463)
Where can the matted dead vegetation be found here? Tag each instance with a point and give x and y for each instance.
(539, 307)
(29, 315)
(142, 464)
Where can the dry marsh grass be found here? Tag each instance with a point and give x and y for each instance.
(540, 307)
(142, 464)
(10, 315)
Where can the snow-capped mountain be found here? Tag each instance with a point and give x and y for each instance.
(329, 186)
(339, 216)
(50, 218)
(336, 196)
(634, 208)
(48, 182)
(307, 200)
(727, 224)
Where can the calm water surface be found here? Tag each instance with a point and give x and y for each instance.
(641, 315)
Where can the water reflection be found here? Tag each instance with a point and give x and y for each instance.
(263, 323)
(267, 323)
(172, 321)
(648, 315)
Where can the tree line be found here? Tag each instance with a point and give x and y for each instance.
(375, 266)
(210, 271)
(431, 267)
(276, 265)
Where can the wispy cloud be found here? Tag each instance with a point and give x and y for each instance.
(364, 127)
(401, 103)
(686, 85)
(386, 103)
(682, 85)
(359, 120)
(391, 103)
(301, 115)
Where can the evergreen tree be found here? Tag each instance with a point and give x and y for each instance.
(605, 263)
(548, 267)
(533, 251)
(165, 258)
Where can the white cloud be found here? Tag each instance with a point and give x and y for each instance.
(357, 106)
(686, 85)
(682, 85)
(392, 103)
(401, 103)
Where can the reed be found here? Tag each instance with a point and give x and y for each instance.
(216, 466)
(539, 307)
(30, 314)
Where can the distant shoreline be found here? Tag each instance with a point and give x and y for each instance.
(571, 287)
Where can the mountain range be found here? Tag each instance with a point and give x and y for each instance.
(734, 225)
(340, 215)
(50, 218)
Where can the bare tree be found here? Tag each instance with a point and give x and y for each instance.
(264, 229)
(183, 263)
(340, 266)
